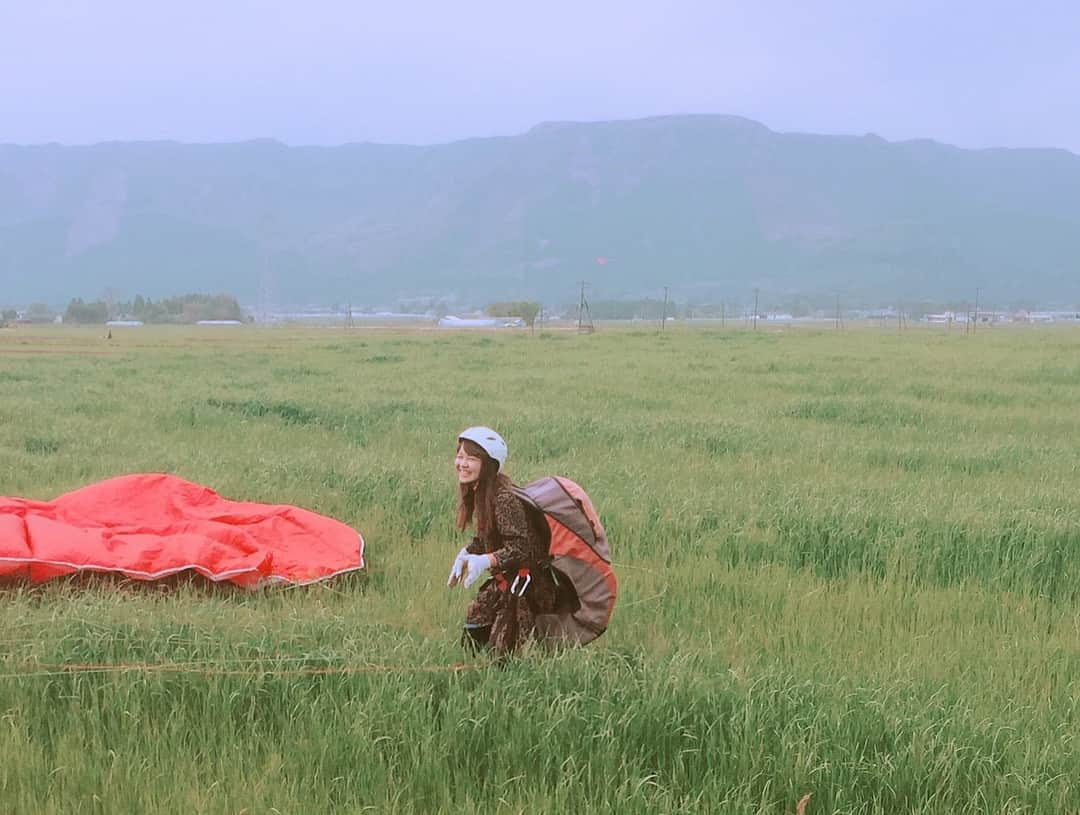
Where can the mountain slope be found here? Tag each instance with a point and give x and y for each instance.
(710, 205)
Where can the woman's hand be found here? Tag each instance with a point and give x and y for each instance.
(468, 568)
(475, 566)
(458, 569)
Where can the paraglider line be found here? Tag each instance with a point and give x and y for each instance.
(199, 668)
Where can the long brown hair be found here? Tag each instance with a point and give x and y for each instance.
(477, 500)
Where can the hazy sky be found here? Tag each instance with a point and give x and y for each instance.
(971, 73)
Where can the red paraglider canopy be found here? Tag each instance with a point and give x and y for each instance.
(150, 526)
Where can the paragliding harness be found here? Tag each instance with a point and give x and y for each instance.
(580, 562)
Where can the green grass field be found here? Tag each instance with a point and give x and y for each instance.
(849, 565)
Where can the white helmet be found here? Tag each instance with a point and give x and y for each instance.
(490, 441)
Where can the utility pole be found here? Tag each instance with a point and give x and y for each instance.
(349, 324)
(722, 318)
(663, 318)
(265, 286)
(836, 323)
(755, 308)
(584, 317)
(976, 326)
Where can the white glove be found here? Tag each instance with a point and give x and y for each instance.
(458, 568)
(475, 566)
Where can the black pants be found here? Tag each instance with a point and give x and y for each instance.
(476, 638)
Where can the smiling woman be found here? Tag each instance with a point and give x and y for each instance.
(509, 544)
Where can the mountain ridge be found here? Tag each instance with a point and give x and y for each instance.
(711, 205)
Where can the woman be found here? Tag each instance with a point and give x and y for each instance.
(510, 544)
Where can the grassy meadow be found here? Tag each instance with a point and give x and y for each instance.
(849, 565)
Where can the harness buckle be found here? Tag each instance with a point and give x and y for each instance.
(525, 585)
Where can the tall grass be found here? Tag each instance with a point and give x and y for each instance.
(847, 566)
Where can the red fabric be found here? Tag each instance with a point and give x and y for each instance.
(149, 526)
(564, 542)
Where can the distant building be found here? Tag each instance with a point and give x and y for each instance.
(1033, 317)
(942, 318)
(469, 322)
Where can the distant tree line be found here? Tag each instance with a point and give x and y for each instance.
(80, 312)
(187, 308)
